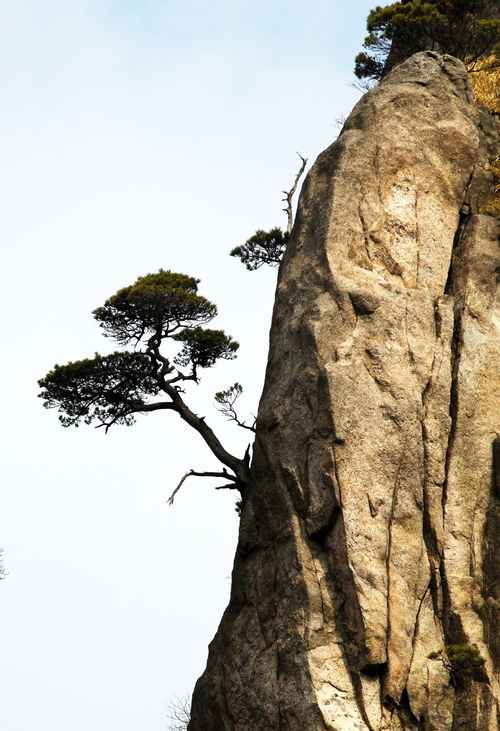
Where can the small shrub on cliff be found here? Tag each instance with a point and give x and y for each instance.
(464, 657)
(264, 247)
(457, 658)
(467, 29)
(434, 655)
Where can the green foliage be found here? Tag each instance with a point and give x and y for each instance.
(264, 247)
(227, 398)
(456, 658)
(368, 67)
(103, 388)
(155, 306)
(464, 657)
(434, 655)
(110, 389)
(467, 29)
(203, 347)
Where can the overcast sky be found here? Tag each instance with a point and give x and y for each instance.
(134, 135)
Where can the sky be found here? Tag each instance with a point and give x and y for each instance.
(136, 135)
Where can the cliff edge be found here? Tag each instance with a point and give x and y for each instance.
(367, 539)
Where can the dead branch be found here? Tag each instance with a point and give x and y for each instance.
(179, 713)
(246, 457)
(181, 481)
(289, 195)
(193, 473)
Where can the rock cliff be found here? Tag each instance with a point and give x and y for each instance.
(367, 537)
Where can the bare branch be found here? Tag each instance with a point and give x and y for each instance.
(182, 377)
(135, 408)
(193, 473)
(3, 572)
(181, 481)
(289, 195)
(179, 713)
(156, 406)
(224, 474)
(246, 457)
(231, 415)
(363, 85)
(340, 120)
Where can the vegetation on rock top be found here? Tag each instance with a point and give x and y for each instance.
(466, 29)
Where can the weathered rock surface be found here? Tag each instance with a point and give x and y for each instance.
(368, 535)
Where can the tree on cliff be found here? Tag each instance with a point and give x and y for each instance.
(179, 713)
(264, 247)
(467, 29)
(148, 315)
(156, 312)
(268, 247)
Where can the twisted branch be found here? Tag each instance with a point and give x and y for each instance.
(289, 195)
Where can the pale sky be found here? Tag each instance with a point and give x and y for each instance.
(134, 135)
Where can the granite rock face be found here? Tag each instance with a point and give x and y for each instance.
(368, 533)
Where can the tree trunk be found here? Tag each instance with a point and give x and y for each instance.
(367, 533)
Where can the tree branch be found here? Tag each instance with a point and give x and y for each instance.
(153, 351)
(245, 426)
(134, 409)
(181, 377)
(289, 195)
(198, 423)
(193, 473)
(179, 485)
(226, 400)
(230, 414)
(153, 407)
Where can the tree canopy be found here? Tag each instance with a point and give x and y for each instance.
(264, 247)
(107, 389)
(114, 388)
(156, 305)
(467, 29)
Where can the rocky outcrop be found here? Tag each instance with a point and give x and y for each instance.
(368, 534)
